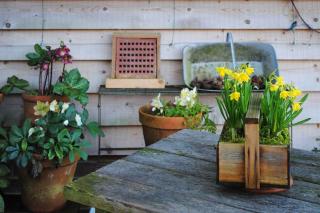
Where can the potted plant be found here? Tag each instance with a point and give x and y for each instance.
(43, 59)
(4, 170)
(163, 118)
(46, 152)
(254, 146)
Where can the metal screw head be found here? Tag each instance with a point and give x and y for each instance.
(8, 25)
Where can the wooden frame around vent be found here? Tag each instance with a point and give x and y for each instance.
(135, 61)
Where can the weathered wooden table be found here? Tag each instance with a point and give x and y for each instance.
(178, 174)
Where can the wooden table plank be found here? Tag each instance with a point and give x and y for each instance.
(200, 145)
(201, 189)
(116, 195)
(178, 174)
(188, 166)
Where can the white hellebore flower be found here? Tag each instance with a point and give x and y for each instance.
(66, 122)
(78, 120)
(54, 106)
(157, 104)
(65, 106)
(31, 131)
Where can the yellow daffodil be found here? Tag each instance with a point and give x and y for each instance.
(249, 70)
(294, 93)
(296, 106)
(243, 77)
(284, 94)
(221, 71)
(274, 87)
(42, 108)
(280, 81)
(236, 76)
(235, 96)
(228, 71)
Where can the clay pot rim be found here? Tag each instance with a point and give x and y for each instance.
(35, 98)
(160, 122)
(50, 163)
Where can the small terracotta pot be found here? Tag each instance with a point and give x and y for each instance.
(157, 127)
(30, 101)
(45, 192)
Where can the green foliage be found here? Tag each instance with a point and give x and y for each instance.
(14, 82)
(4, 182)
(187, 105)
(4, 170)
(234, 100)
(74, 86)
(279, 109)
(21, 143)
(58, 134)
(38, 57)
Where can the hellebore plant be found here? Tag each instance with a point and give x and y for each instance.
(186, 105)
(43, 59)
(57, 134)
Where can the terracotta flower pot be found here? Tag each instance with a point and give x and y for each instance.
(30, 101)
(45, 192)
(157, 127)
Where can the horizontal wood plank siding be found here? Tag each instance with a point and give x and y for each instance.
(86, 26)
(146, 14)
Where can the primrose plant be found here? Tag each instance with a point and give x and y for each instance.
(57, 134)
(186, 105)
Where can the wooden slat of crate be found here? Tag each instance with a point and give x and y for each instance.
(231, 163)
(274, 165)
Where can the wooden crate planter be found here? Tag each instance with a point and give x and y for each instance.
(255, 166)
(135, 61)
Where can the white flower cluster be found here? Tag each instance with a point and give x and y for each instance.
(157, 104)
(187, 98)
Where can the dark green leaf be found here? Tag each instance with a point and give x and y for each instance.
(1, 204)
(33, 56)
(4, 170)
(71, 156)
(83, 155)
(94, 129)
(6, 89)
(4, 183)
(13, 155)
(25, 127)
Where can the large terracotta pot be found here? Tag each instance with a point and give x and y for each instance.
(45, 192)
(30, 101)
(157, 127)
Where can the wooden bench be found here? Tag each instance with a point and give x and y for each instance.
(178, 174)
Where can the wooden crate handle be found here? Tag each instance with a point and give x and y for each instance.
(252, 155)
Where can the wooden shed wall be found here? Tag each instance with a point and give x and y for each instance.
(86, 26)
